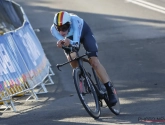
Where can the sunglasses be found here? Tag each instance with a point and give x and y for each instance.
(62, 28)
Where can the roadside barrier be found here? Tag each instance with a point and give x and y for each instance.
(23, 63)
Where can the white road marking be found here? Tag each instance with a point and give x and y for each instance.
(148, 5)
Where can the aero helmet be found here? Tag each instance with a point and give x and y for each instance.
(62, 18)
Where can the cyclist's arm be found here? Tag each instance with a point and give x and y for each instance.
(76, 32)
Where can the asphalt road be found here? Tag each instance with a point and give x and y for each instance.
(131, 47)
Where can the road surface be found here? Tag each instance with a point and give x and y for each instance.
(130, 35)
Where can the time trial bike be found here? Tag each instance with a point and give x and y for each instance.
(91, 91)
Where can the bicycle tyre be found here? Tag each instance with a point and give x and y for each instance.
(93, 113)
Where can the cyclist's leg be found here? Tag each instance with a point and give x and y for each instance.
(100, 70)
(73, 64)
(90, 45)
(102, 74)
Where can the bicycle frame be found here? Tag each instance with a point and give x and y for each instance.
(99, 90)
(80, 59)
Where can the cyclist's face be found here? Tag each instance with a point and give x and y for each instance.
(63, 33)
(63, 30)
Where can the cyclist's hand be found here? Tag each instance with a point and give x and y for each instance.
(60, 43)
(66, 42)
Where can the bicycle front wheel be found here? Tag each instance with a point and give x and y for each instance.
(86, 93)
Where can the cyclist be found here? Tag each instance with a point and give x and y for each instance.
(68, 29)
